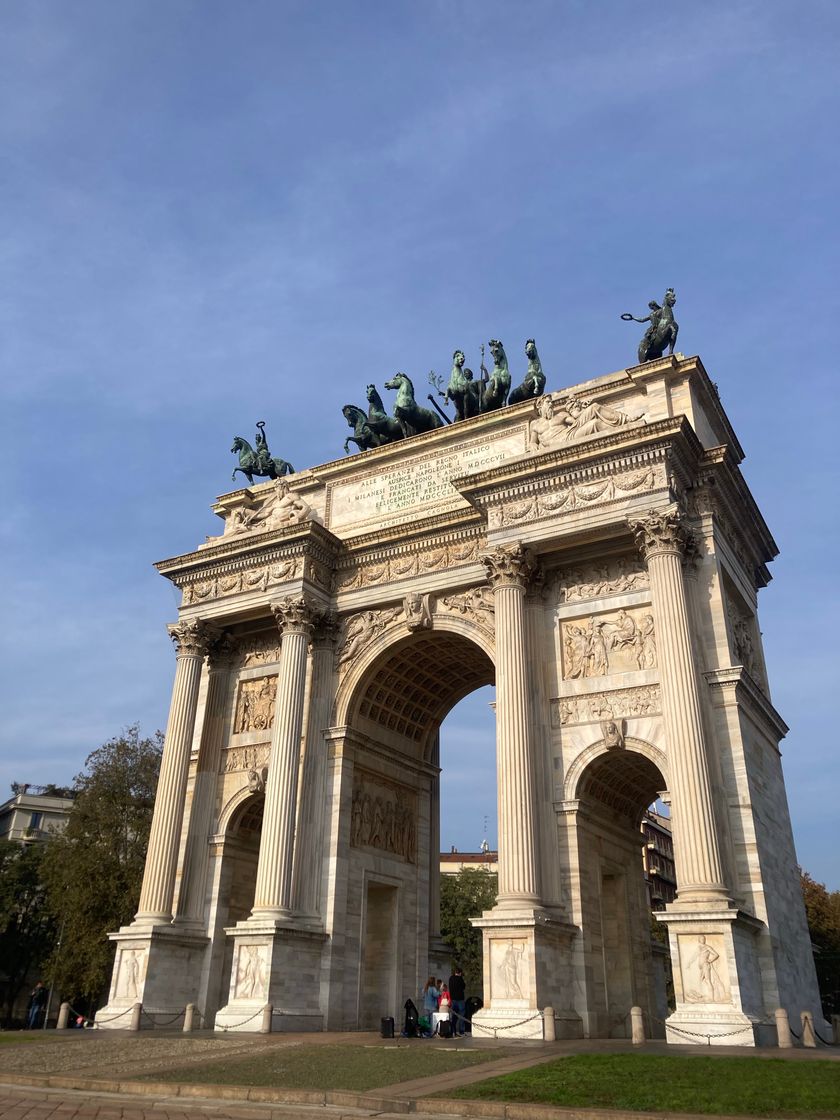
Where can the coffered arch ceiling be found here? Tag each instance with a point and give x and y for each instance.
(413, 684)
(623, 781)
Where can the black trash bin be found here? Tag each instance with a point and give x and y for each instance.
(387, 1027)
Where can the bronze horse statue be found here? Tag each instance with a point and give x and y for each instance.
(412, 418)
(258, 461)
(498, 383)
(380, 423)
(663, 329)
(534, 383)
(364, 437)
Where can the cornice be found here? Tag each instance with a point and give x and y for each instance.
(745, 690)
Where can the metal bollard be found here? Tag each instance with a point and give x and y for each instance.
(549, 1032)
(189, 1012)
(637, 1025)
(808, 1036)
(783, 1028)
(268, 1011)
(136, 1012)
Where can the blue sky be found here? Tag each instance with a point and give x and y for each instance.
(214, 212)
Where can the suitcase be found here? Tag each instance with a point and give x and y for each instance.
(445, 1028)
(387, 1027)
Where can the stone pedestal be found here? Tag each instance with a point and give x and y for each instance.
(527, 967)
(277, 964)
(158, 970)
(717, 983)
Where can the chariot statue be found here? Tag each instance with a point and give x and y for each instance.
(257, 460)
(662, 331)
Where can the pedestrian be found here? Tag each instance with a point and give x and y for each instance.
(37, 1003)
(430, 996)
(458, 998)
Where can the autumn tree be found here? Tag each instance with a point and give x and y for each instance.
(94, 869)
(822, 909)
(464, 896)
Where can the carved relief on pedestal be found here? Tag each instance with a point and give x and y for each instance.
(623, 642)
(254, 757)
(568, 496)
(255, 705)
(359, 629)
(478, 605)
(611, 578)
(509, 969)
(384, 816)
(621, 703)
(703, 968)
(250, 972)
(130, 972)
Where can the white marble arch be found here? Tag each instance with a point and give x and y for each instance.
(595, 750)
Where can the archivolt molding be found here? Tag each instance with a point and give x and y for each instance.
(575, 772)
(231, 805)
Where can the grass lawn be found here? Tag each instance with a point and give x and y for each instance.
(765, 1087)
(331, 1067)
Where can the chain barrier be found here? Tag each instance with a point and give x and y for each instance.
(113, 1018)
(232, 1026)
(167, 1022)
(510, 1026)
(766, 1021)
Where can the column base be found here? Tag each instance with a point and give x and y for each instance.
(277, 963)
(527, 967)
(157, 966)
(717, 978)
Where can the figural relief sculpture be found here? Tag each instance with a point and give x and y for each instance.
(618, 643)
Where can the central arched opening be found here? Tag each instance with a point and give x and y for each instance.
(396, 711)
(622, 967)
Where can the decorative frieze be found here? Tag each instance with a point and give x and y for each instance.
(262, 649)
(254, 757)
(384, 817)
(260, 577)
(574, 495)
(594, 707)
(405, 564)
(623, 642)
(255, 705)
(615, 577)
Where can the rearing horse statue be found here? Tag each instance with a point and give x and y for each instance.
(411, 417)
(461, 390)
(379, 422)
(534, 383)
(498, 385)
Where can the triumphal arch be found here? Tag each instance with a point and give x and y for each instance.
(597, 555)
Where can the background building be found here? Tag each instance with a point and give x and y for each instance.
(34, 811)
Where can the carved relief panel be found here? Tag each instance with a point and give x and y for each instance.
(620, 703)
(509, 965)
(703, 968)
(623, 641)
(255, 705)
(130, 970)
(384, 817)
(614, 577)
(250, 972)
(246, 758)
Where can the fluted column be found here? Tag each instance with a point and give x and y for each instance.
(309, 841)
(273, 897)
(193, 890)
(191, 640)
(665, 543)
(509, 570)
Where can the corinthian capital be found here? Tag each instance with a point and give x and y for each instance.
(510, 565)
(193, 637)
(325, 632)
(294, 615)
(661, 531)
(223, 651)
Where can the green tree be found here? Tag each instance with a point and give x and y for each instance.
(464, 896)
(27, 930)
(94, 869)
